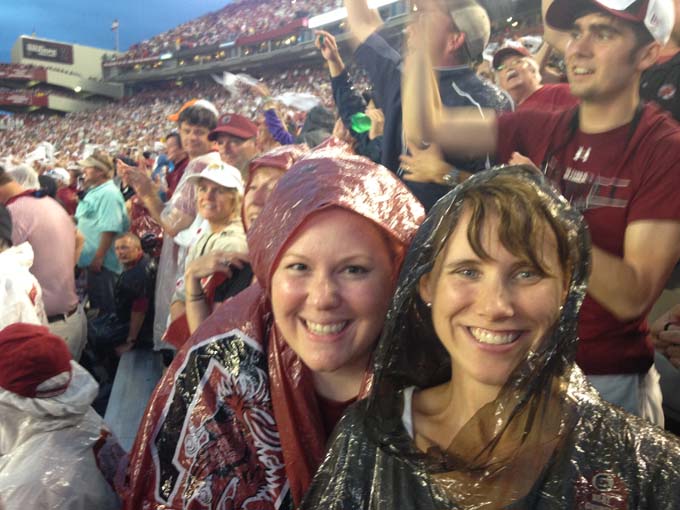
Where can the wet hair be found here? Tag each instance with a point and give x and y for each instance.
(523, 217)
(198, 116)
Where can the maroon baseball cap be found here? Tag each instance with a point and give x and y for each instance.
(34, 362)
(506, 51)
(235, 125)
(658, 16)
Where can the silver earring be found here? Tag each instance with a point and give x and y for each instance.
(428, 304)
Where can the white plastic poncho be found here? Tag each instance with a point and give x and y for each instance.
(47, 450)
(20, 293)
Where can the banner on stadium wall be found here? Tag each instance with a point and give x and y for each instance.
(19, 72)
(22, 99)
(49, 51)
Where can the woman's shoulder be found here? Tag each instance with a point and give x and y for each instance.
(614, 456)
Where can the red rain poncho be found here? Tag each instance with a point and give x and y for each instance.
(234, 423)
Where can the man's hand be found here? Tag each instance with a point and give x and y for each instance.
(665, 334)
(138, 178)
(328, 47)
(521, 159)
(377, 122)
(96, 264)
(425, 165)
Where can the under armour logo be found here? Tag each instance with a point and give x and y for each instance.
(582, 154)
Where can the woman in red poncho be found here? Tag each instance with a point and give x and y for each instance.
(241, 418)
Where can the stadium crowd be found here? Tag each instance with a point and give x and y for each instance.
(415, 281)
(246, 17)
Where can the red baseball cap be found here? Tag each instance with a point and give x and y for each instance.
(235, 125)
(506, 51)
(34, 362)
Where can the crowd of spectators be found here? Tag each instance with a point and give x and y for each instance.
(247, 17)
(462, 325)
(126, 124)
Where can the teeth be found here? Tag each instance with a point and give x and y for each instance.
(325, 329)
(582, 70)
(490, 337)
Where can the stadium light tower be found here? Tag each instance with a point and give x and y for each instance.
(114, 29)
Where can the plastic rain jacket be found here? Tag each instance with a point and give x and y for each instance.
(56, 452)
(547, 442)
(234, 423)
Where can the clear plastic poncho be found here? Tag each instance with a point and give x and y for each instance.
(546, 442)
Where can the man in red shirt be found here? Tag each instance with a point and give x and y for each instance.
(613, 157)
(518, 73)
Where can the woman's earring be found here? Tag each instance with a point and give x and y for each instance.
(428, 304)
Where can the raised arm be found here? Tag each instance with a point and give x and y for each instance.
(555, 38)
(458, 131)
(362, 20)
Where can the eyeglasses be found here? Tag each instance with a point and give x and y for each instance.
(517, 62)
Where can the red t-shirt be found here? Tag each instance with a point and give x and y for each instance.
(614, 181)
(551, 97)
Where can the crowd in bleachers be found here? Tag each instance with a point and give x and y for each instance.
(246, 17)
(422, 285)
(126, 123)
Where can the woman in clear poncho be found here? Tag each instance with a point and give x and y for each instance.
(241, 418)
(477, 402)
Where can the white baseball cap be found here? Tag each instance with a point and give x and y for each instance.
(222, 174)
(658, 16)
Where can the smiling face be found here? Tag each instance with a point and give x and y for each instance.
(601, 58)
(215, 203)
(260, 186)
(331, 289)
(489, 313)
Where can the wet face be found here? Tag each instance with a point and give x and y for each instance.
(518, 76)
(236, 151)
(127, 250)
(261, 185)
(214, 202)
(489, 314)
(598, 58)
(331, 290)
(195, 139)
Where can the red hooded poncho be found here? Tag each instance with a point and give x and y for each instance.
(234, 423)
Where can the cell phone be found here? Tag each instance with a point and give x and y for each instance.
(322, 40)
